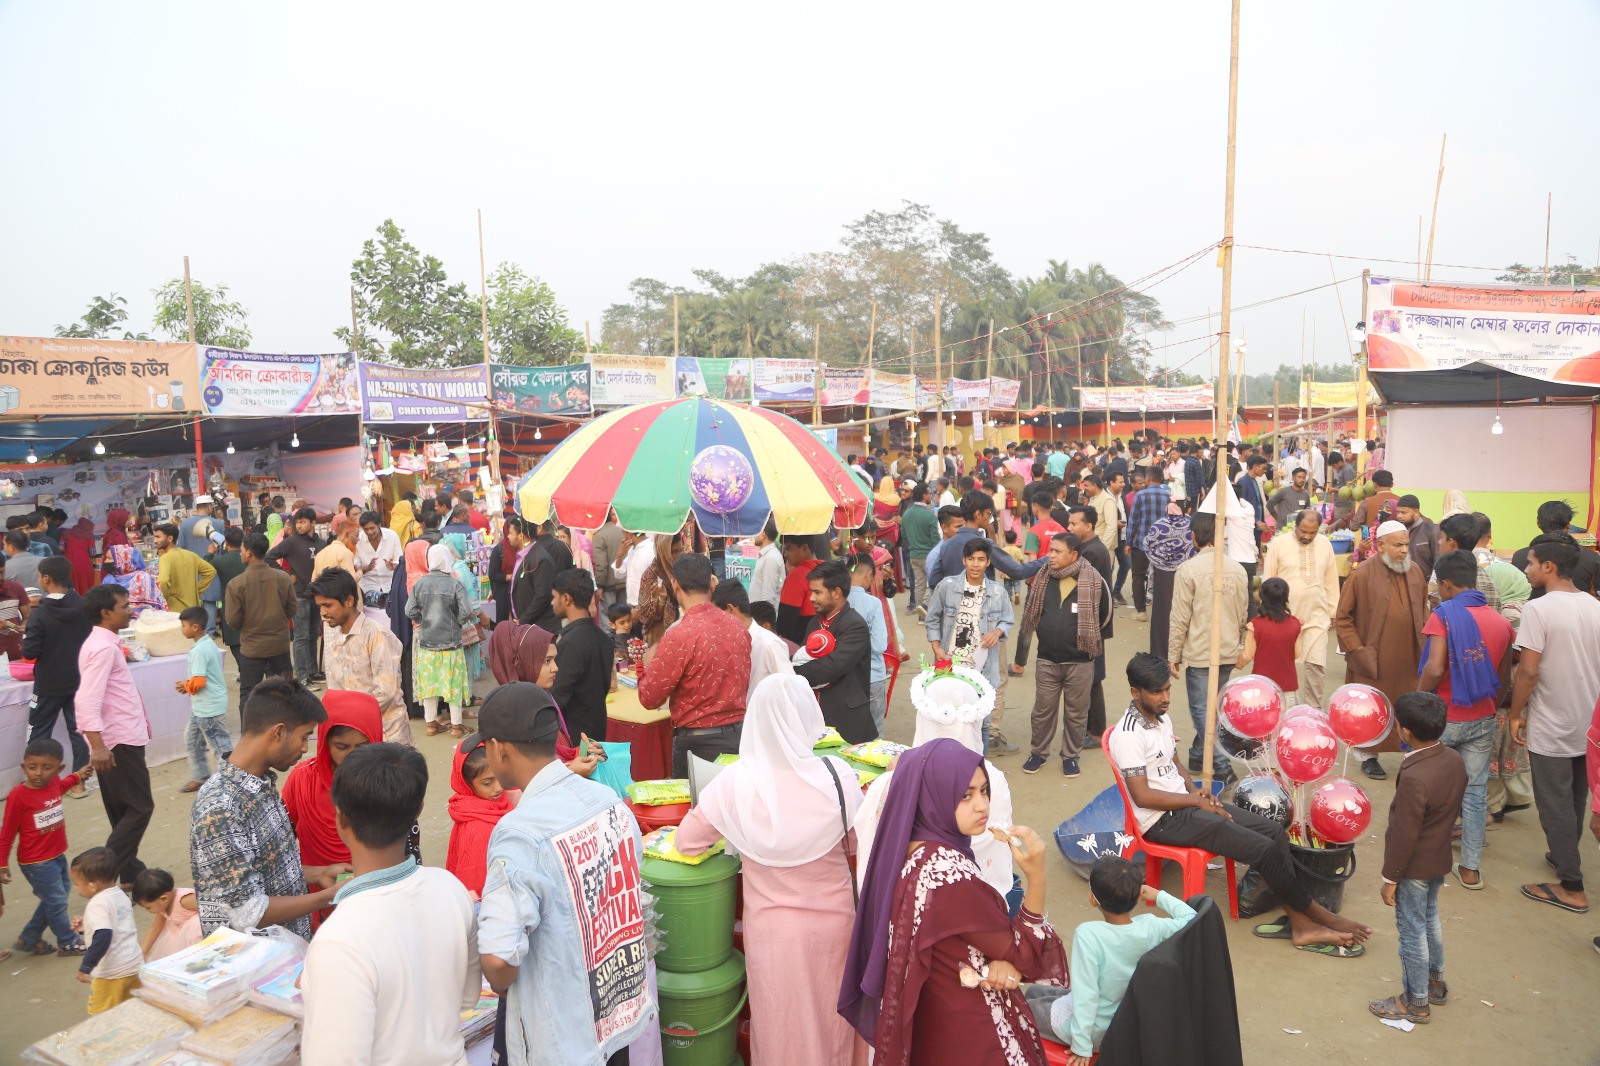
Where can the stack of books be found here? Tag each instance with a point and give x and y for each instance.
(280, 991)
(204, 982)
(249, 1036)
(130, 1034)
(478, 1022)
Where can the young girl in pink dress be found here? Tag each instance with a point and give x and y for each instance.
(177, 914)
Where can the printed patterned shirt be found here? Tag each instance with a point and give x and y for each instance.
(703, 666)
(367, 659)
(242, 850)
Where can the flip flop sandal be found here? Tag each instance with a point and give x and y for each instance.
(73, 950)
(1548, 895)
(1388, 1008)
(1334, 951)
(1278, 930)
(1475, 886)
(1442, 995)
(39, 947)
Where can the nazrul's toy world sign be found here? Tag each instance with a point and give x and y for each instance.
(78, 376)
(1546, 333)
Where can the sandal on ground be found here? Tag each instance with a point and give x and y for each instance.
(1546, 893)
(1334, 951)
(1392, 1008)
(73, 950)
(1438, 990)
(77, 792)
(1470, 886)
(38, 947)
(432, 729)
(190, 786)
(458, 731)
(1274, 930)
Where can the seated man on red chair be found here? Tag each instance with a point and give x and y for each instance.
(1172, 811)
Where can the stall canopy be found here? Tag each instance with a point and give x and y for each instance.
(76, 438)
(1474, 383)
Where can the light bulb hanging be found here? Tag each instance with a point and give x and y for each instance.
(230, 447)
(1497, 428)
(430, 429)
(32, 458)
(99, 447)
(294, 441)
(538, 433)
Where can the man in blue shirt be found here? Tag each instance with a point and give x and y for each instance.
(1149, 507)
(1056, 465)
(869, 607)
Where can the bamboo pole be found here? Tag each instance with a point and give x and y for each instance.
(912, 347)
(1079, 342)
(1361, 380)
(492, 450)
(1219, 540)
(199, 452)
(938, 367)
(1549, 201)
(361, 409)
(1300, 389)
(1276, 429)
(1434, 224)
(674, 329)
(1105, 379)
(586, 348)
(816, 374)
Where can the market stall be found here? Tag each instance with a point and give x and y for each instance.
(648, 732)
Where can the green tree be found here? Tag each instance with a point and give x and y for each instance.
(218, 320)
(526, 325)
(1570, 272)
(405, 296)
(103, 318)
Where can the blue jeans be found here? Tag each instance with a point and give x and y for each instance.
(195, 736)
(52, 886)
(1195, 680)
(1416, 915)
(1474, 741)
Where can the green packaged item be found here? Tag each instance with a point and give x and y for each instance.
(874, 753)
(658, 793)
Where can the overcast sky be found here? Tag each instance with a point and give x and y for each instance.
(606, 142)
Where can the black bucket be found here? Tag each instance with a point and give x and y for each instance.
(1323, 872)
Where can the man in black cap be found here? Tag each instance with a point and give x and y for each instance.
(561, 902)
(1424, 534)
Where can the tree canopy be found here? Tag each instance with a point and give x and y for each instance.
(218, 320)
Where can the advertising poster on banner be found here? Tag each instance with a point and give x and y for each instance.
(90, 489)
(927, 395)
(542, 390)
(424, 394)
(1552, 334)
(267, 383)
(600, 862)
(844, 386)
(785, 380)
(720, 379)
(1003, 394)
(739, 564)
(963, 395)
(77, 376)
(1182, 398)
(622, 380)
(893, 391)
(1333, 394)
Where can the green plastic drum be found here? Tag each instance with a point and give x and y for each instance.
(700, 1013)
(694, 912)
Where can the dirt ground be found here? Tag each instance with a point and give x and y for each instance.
(1517, 970)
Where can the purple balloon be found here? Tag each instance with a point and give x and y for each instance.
(721, 479)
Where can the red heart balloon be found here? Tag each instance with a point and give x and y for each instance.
(1251, 706)
(1340, 811)
(1360, 715)
(1306, 748)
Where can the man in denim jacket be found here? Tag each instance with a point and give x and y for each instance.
(969, 616)
(561, 924)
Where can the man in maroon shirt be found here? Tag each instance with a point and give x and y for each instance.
(14, 610)
(701, 669)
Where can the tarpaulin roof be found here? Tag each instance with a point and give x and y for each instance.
(1473, 383)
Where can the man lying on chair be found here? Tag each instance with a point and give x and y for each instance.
(1171, 810)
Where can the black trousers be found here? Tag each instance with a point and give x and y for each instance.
(43, 709)
(1249, 838)
(253, 671)
(1161, 584)
(707, 745)
(1141, 579)
(125, 792)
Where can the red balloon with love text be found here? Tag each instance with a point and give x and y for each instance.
(1360, 715)
(1306, 748)
(1340, 811)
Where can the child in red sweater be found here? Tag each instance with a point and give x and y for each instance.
(35, 819)
(477, 803)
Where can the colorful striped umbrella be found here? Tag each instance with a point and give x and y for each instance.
(728, 464)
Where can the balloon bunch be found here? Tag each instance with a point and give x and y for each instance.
(1303, 744)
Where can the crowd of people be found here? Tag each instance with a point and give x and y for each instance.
(911, 919)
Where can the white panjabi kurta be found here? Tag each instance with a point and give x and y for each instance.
(1313, 579)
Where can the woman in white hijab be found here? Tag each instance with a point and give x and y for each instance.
(964, 725)
(440, 607)
(787, 812)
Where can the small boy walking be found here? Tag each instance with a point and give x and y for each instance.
(35, 820)
(111, 965)
(1416, 853)
(208, 699)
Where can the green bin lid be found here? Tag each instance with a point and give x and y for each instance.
(704, 983)
(681, 875)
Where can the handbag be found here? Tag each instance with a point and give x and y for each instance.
(844, 821)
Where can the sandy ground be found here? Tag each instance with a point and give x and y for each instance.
(1517, 970)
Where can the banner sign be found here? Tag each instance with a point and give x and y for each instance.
(1333, 394)
(269, 384)
(893, 391)
(77, 376)
(541, 390)
(739, 563)
(1142, 397)
(927, 395)
(1003, 394)
(785, 380)
(844, 386)
(622, 380)
(1547, 333)
(424, 394)
(963, 395)
(720, 379)
(90, 489)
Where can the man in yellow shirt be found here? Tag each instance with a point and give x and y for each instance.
(182, 574)
(1105, 512)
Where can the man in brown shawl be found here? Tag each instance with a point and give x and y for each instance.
(1379, 622)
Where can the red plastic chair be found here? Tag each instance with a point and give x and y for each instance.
(1192, 860)
(1060, 1054)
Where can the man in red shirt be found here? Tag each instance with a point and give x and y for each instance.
(701, 669)
(1468, 663)
(35, 820)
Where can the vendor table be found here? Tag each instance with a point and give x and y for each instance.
(649, 733)
(155, 678)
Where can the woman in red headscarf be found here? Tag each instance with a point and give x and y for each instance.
(77, 544)
(477, 803)
(116, 533)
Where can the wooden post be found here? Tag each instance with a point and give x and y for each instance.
(1079, 342)
(674, 330)
(1276, 428)
(1301, 392)
(1433, 225)
(199, 453)
(1419, 247)
(361, 410)
(912, 347)
(1219, 541)
(1106, 381)
(1549, 200)
(816, 376)
(1361, 381)
(988, 375)
(938, 365)
(586, 348)
(492, 450)
(872, 338)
